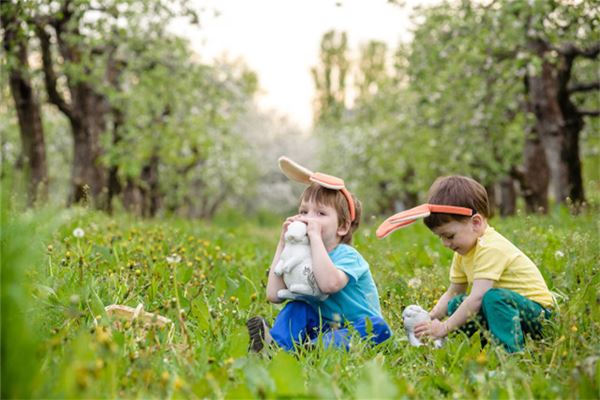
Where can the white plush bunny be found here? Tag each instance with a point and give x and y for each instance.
(412, 316)
(295, 264)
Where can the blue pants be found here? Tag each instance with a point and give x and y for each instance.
(298, 323)
(507, 315)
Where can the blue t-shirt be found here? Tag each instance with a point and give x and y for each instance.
(359, 298)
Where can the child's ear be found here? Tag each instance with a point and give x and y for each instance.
(477, 221)
(344, 229)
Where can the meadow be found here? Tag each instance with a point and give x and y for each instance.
(61, 268)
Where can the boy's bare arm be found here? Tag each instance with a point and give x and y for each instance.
(328, 277)
(469, 307)
(276, 283)
(441, 308)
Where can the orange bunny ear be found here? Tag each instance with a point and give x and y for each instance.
(328, 181)
(295, 171)
(407, 217)
(298, 173)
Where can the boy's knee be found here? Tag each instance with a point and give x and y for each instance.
(494, 299)
(494, 295)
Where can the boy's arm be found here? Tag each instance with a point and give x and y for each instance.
(275, 283)
(328, 277)
(441, 308)
(469, 307)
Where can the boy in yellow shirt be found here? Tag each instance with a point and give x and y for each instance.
(508, 292)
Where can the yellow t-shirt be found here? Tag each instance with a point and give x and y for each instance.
(494, 257)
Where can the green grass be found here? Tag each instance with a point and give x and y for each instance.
(58, 343)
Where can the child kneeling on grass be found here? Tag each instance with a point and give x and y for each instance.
(332, 216)
(508, 293)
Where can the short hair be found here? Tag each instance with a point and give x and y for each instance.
(334, 198)
(458, 191)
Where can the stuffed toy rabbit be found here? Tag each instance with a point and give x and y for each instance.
(295, 265)
(412, 316)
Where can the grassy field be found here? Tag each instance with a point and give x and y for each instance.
(58, 342)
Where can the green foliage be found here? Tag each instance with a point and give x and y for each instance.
(158, 105)
(452, 101)
(67, 346)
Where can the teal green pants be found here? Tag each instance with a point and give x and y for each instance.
(507, 315)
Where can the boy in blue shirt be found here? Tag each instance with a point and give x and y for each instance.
(332, 214)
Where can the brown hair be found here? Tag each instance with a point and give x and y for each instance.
(334, 198)
(458, 191)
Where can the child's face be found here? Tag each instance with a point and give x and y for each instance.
(461, 236)
(326, 216)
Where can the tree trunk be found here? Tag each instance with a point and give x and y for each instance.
(558, 121)
(132, 197)
(26, 103)
(534, 177)
(549, 124)
(574, 124)
(151, 190)
(86, 110)
(507, 196)
(89, 176)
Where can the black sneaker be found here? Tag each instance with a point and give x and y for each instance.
(258, 330)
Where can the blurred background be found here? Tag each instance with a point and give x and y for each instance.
(174, 107)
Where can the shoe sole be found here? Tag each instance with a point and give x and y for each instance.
(256, 331)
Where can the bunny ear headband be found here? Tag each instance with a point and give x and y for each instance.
(407, 217)
(298, 173)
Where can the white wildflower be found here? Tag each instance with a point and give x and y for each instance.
(78, 233)
(174, 258)
(414, 283)
(559, 254)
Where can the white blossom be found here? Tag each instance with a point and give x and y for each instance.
(78, 233)
(414, 283)
(559, 254)
(174, 258)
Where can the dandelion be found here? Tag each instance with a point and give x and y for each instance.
(174, 258)
(414, 283)
(559, 254)
(481, 358)
(574, 328)
(78, 233)
(179, 383)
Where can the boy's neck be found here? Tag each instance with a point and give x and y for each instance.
(330, 246)
(484, 226)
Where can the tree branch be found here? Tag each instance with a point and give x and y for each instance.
(571, 50)
(589, 113)
(583, 87)
(50, 79)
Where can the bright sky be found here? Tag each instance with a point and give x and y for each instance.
(279, 39)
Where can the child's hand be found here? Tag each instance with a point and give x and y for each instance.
(434, 328)
(285, 225)
(313, 227)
